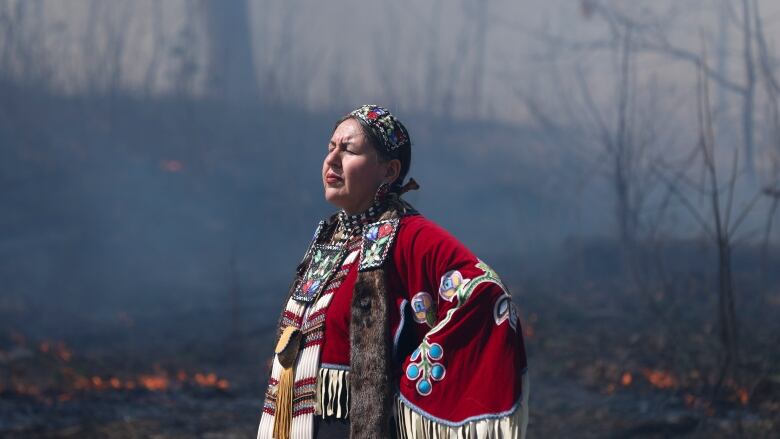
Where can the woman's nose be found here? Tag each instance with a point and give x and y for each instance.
(332, 158)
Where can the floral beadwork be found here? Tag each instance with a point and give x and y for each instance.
(425, 368)
(424, 308)
(450, 283)
(377, 240)
(384, 125)
(464, 290)
(504, 310)
(324, 260)
(314, 238)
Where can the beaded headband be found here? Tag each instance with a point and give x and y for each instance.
(390, 132)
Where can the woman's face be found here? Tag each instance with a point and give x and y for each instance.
(352, 171)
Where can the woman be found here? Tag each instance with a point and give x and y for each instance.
(392, 328)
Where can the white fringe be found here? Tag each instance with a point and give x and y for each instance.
(333, 393)
(412, 425)
(302, 426)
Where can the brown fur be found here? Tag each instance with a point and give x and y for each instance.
(371, 393)
(371, 369)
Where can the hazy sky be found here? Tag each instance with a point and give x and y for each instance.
(401, 53)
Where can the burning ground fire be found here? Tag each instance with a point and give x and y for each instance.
(660, 379)
(69, 383)
(610, 377)
(666, 380)
(158, 381)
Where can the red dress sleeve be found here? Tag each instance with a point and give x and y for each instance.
(468, 372)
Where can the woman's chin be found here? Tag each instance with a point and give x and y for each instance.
(333, 197)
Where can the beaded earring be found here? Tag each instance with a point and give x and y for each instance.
(381, 192)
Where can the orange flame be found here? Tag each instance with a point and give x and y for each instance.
(743, 396)
(153, 382)
(211, 380)
(660, 378)
(159, 379)
(59, 349)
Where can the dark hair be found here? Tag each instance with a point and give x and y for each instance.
(403, 154)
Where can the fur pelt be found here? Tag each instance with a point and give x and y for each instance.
(371, 369)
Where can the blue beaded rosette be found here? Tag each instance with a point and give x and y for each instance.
(424, 367)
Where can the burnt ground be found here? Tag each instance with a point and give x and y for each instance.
(605, 362)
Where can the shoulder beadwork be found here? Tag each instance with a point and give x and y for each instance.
(317, 232)
(378, 238)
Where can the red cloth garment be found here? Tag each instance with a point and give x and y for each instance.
(335, 348)
(457, 339)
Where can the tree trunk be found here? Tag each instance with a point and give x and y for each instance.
(231, 72)
(727, 314)
(748, 102)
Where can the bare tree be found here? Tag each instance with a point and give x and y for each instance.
(654, 37)
(720, 222)
(159, 42)
(231, 70)
(285, 72)
(444, 78)
(23, 44)
(767, 63)
(478, 14)
(185, 66)
(623, 129)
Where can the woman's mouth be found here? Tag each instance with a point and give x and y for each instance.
(333, 178)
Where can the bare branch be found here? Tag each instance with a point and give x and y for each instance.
(763, 50)
(688, 205)
(593, 110)
(745, 212)
(731, 188)
(665, 47)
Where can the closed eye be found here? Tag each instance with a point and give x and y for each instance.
(343, 147)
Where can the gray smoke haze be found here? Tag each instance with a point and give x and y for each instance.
(157, 155)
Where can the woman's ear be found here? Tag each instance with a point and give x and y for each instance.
(393, 170)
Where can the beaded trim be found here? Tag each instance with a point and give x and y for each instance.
(353, 223)
(377, 241)
(325, 260)
(317, 232)
(388, 130)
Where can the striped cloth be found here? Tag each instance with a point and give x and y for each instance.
(311, 321)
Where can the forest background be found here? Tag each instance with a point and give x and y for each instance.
(617, 162)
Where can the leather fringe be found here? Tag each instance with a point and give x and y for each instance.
(413, 425)
(283, 417)
(333, 393)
